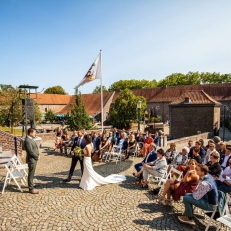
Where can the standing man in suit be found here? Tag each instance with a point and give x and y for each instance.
(79, 141)
(32, 156)
(150, 157)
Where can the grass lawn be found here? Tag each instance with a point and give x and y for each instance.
(16, 131)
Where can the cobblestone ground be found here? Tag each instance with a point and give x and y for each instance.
(65, 206)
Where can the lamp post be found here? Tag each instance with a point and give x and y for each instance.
(138, 107)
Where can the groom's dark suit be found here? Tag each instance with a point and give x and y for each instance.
(78, 141)
(32, 155)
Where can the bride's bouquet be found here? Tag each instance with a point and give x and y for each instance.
(78, 152)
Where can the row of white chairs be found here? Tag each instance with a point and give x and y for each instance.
(15, 170)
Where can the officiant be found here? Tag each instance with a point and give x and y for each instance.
(80, 142)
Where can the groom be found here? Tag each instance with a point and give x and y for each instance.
(78, 141)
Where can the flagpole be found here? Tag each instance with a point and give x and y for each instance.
(101, 90)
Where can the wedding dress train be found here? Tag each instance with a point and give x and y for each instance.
(91, 179)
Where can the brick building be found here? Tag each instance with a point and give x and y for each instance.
(158, 99)
(194, 112)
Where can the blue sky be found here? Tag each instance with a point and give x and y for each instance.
(54, 42)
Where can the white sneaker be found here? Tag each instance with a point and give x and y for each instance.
(186, 220)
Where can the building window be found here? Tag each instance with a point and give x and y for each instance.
(45, 109)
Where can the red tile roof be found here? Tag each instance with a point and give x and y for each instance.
(196, 97)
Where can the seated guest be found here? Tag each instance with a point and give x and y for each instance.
(156, 139)
(181, 158)
(202, 144)
(224, 159)
(190, 144)
(196, 155)
(177, 189)
(151, 156)
(147, 143)
(222, 148)
(96, 142)
(122, 141)
(65, 139)
(214, 166)
(209, 151)
(131, 146)
(104, 145)
(70, 142)
(58, 143)
(111, 140)
(140, 139)
(170, 153)
(204, 197)
(156, 168)
(201, 150)
(224, 182)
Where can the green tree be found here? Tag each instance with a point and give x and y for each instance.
(124, 111)
(11, 106)
(49, 115)
(132, 85)
(78, 117)
(98, 89)
(55, 90)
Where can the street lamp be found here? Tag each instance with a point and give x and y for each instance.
(138, 107)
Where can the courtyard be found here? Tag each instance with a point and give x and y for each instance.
(65, 206)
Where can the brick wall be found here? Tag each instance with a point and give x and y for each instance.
(188, 120)
(7, 142)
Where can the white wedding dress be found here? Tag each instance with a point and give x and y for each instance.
(91, 179)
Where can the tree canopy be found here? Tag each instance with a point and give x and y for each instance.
(98, 89)
(78, 117)
(124, 111)
(192, 78)
(50, 115)
(132, 84)
(11, 106)
(55, 90)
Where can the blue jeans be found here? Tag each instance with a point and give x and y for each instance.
(138, 167)
(223, 186)
(189, 201)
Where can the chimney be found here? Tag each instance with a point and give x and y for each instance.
(187, 100)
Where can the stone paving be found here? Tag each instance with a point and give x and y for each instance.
(65, 206)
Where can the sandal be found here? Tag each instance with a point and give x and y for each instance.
(161, 199)
(144, 186)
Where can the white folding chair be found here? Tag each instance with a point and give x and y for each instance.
(13, 173)
(134, 154)
(225, 216)
(19, 166)
(163, 179)
(116, 152)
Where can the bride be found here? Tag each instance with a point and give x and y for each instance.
(90, 178)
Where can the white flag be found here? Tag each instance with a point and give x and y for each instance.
(93, 72)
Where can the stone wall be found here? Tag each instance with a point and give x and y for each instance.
(7, 142)
(186, 139)
(187, 120)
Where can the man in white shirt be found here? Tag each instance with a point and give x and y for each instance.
(224, 182)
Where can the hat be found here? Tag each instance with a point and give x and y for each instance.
(229, 148)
